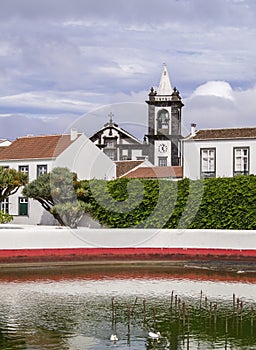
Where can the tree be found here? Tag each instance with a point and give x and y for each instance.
(10, 181)
(5, 217)
(59, 193)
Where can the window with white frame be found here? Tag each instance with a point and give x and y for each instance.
(162, 161)
(41, 169)
(23, 169)
(241, 161)
(208, 162)
(4, 206)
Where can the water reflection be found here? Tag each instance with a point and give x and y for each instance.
(79, 308)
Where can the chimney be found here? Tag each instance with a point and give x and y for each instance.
(193, 129)
(73, 134)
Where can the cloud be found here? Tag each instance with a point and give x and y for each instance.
(54, 44)
(49, 101)
(209, 106)
(216, 105)
(67, 58)
(15, 125)
(215, 88)
(48, 112)
(133, 12)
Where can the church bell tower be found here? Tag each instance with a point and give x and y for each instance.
(164, 123)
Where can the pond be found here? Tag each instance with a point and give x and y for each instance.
(81, 307)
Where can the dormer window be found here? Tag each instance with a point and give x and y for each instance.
(110, 144)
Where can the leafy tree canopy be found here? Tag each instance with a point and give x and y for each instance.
(5, 218)
(59, 193)
(10, 181)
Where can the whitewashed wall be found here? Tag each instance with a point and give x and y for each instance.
(35, 210)
(87, 160)
(163, 154)
(224, 156)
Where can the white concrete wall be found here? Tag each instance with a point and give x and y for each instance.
(224, 156)
(136, 153)
(36, 213)
(32, 237)
(87, 160)
(32, 163)
(126, 142)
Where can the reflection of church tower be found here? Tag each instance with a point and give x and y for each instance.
(164, 123)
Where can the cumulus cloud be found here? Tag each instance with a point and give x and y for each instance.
(216, 105)
(215, 88)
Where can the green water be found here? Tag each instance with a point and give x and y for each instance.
(80, 309)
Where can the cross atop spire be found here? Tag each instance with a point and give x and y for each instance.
(111, 115)
(164, 85)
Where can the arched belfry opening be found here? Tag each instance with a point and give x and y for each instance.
(163, 121)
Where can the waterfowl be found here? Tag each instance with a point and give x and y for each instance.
(113, 337)
(153, 335)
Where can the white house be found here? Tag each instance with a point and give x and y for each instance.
(36, 155)
(219, 152)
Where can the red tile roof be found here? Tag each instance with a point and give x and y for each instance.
(2, 148)
(156, 172)
(228, 133)
(122, 167)
(36, 147)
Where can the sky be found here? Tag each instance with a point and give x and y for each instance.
(69, 63)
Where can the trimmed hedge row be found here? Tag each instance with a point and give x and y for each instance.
(221, 203)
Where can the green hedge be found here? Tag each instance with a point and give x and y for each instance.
(221, 203)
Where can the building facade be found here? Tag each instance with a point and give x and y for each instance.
(219, 153)
(37, 155)
(161, 145)
(118, 144)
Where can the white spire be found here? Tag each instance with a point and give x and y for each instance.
(164, 85)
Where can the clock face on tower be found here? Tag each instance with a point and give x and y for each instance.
(163, 148)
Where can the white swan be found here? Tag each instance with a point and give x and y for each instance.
(113, 337)
(153, 335)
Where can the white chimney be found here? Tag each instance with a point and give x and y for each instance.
(193, 129)
(73, 134)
